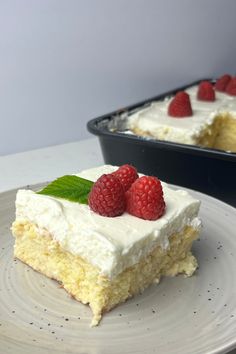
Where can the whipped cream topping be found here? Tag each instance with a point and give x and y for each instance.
(155, 120)
(111, 244)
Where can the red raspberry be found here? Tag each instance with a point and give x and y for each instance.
(231, 87)
(126, 174)
(145, 199)
(222, 82)
(205, 91)
(180, 106)
(107, 196)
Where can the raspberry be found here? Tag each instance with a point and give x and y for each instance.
(145, 199)
(126, 174)
(107, 196)
(205, 91)
(180, 106)
(222, 82)
(231, 87)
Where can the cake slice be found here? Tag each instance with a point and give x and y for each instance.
(103, 261)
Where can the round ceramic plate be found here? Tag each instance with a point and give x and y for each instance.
(180, 315)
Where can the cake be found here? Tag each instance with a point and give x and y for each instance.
(103, 261)
(211, 124)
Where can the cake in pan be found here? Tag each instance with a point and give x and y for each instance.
(203, 115)
(104, 260)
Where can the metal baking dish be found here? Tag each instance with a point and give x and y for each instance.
(207, 170)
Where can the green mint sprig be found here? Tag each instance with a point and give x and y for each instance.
(72, 188)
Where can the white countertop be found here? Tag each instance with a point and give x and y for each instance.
(45, 164)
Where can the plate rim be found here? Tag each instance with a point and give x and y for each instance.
(225, 348)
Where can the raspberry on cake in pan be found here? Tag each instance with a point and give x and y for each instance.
(106, 233)
(208, 115)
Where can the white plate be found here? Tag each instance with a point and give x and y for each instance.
(180, 315)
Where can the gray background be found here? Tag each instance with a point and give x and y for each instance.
(65, 62)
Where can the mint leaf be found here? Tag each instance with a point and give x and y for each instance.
(72, 188)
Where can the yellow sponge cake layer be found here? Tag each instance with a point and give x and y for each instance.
(226, 135)
(84, 281)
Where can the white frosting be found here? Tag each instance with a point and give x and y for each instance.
(111, 244)
(156, 121)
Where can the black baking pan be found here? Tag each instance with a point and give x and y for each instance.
(207, 170)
